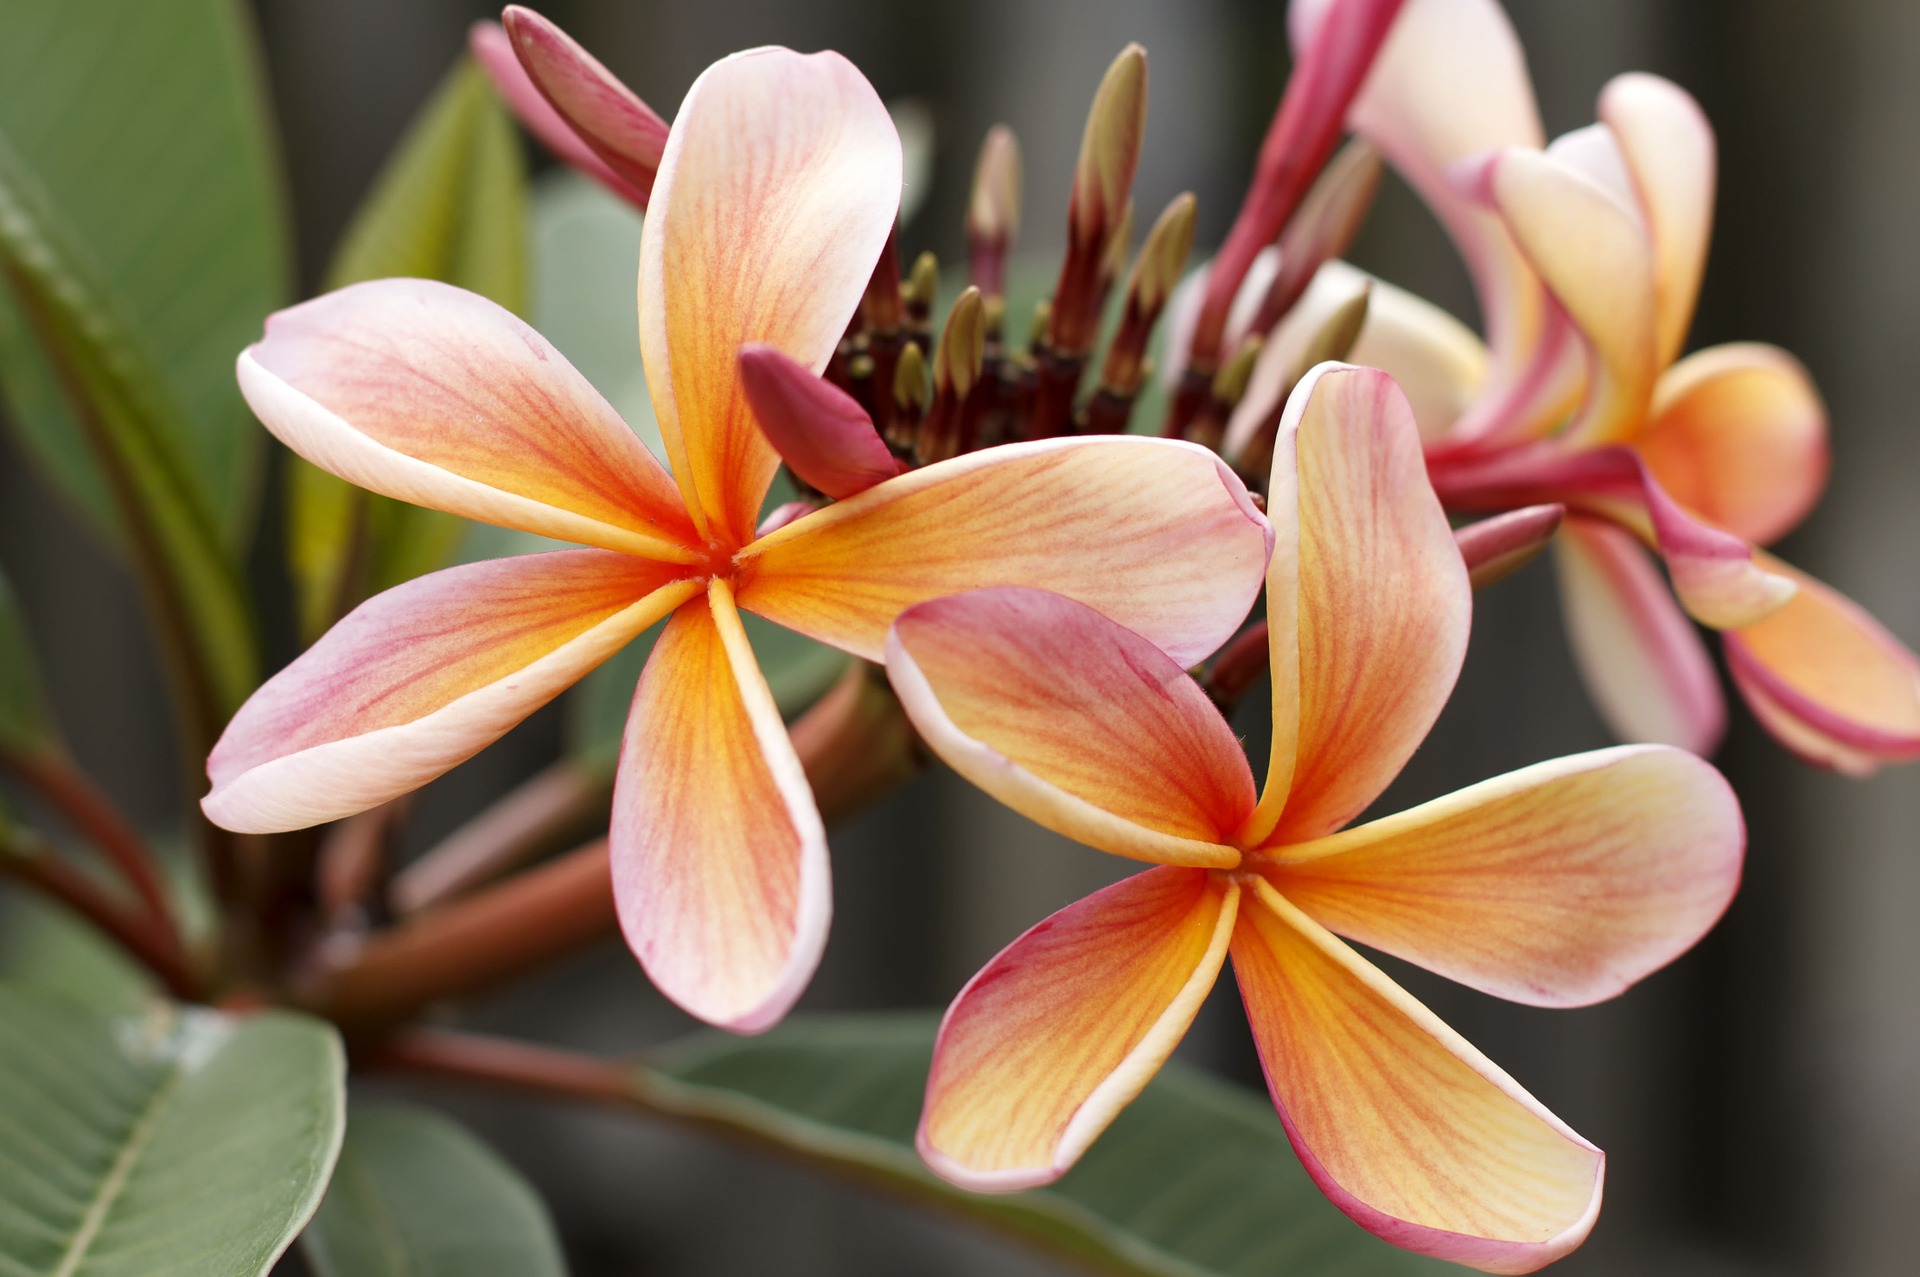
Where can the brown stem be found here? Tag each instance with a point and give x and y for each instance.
(1238, 667)
(353, 855)
(546, 808)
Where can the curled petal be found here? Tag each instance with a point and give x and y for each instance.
(1156, 534)
(1493, 549)
(621, 131)
(1829, 681)
(431, 394)
(1058, 1033)
(818, 429)
(423, 677)
(1557, 885)
(1367, 602)
(1418, 1137)
(1073, 721)
(1739, 434)
(1668, 149)
(493, 50)
(778, 187)
(1643, 662)
(720, 871)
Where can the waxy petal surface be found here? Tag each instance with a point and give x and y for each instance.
(423, 677)
(434, 395)
(1367, 609)
(1739, 435)
(1063, 1028)
(493, 50)
(1418, 1137)
(720, 871)
(1642, 660)
(1557, 885)
(1073, 721)
(778, 187)
(819, 430)
(1157, 534)
(622, 132)
(1829, 681)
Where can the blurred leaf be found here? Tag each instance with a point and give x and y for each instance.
(451, 205)
(48, 951)
(141, 131)
(25, 726)
(417, 1195)
(181, 1143)
(1194, 1179)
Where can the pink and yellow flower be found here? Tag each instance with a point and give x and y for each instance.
(1587, 255)
(1557, 885)
(775, 191)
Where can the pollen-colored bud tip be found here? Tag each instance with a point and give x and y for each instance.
(1230, 383)
(910, 389)
(993, 212)
(1164, 255)
(1110, 147)
(962, 345)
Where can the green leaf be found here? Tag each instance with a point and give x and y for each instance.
(1194, 1179)
(417, 1195)
(182, 1143)
(25, 726)
(451, 205)
(143, 132)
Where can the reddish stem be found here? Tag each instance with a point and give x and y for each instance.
(93, 815)
(530, 819)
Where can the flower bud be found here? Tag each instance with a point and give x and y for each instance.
(957, 361)
(993, 211)
(1110, 150)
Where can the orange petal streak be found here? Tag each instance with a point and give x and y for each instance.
(719, 857)
(1409, 1130)
(1063, 1028)
(779, 184)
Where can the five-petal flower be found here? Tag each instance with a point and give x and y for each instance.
(776, 189)
(1557, 885)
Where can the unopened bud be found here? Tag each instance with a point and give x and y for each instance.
(993, 212)
(1328, 219)
(1114, 260)
(1042, 320)
(956, 364)
(1110, 149)
(923, 285)
(911, 390)
(1335, 338)
(1163, 256)
(1231, 381)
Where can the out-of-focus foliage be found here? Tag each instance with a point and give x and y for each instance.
(24, 724)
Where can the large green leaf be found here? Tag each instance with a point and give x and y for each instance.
(1194, 1179)
(142, 131)
(417, 1195)
(450, 204)
(182, 1143)
(25, 726)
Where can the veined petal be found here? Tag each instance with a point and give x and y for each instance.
(1592, 250)
(1643, 662)
(818, 429)
(1668, 148)
(1058, 1033)
(423, 677)
(720, 868)
(1739, 434)
(434, 395)
(1557, 885)
(1073, 721)
(622, 132)
(776, 192)
(492, 49)
(1828, 680)
(1156, 534)
(1368, 602)
(1418, 1137)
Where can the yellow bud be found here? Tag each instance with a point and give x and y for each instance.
(910, 388)
(1164, 255)
(1230, 383)
(1110, 148)
(923, 281)
(956, 364)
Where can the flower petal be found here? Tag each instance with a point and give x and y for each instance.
(423, 677)
(1829, 681)
(1493, 549)
(1058, 1033)
(492, 49)
(1739, 434)
(621, 131)
(1557, 885)
(1154, 533)
(1668, 147)
(431, 394)
(823, 435)
(777, 191)
(1368, 602)
(1418, 1137)
(1643, 662)
(1073, 721)
(720, 868)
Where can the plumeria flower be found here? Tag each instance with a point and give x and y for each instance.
(1557, 885)
(1587, 256)
(775, 192)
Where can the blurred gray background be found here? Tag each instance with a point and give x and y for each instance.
(1760, 1102)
